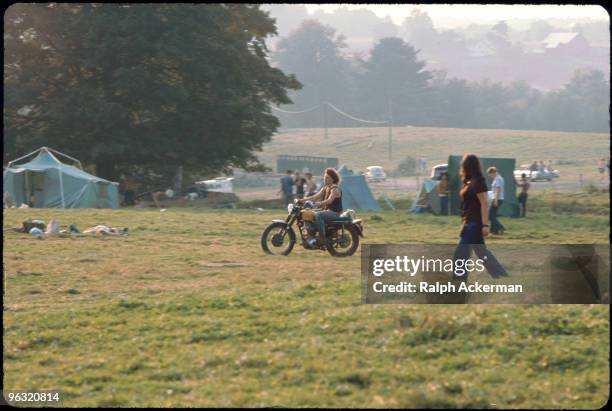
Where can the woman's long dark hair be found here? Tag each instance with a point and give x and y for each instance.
(470, 171)
(333, 174)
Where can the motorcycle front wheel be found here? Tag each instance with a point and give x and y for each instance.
(346, 243)
(277, 239)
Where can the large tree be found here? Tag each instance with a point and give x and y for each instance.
(583, 104)
(314, 54)
(419, 31)
(396, 79)
(455, 104)
(147, 84)
(491, 100)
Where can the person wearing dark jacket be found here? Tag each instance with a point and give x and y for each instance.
(286, 190)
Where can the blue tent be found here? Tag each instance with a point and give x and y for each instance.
(356, 193)
(427, 198)
(49, 183)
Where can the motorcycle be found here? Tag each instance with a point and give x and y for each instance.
(342, 233)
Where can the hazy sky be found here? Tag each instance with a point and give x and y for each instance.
(453, 15)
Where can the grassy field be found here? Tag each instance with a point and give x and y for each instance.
(188, 311)
(571, 153)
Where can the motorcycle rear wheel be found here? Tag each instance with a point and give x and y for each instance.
(348, 251)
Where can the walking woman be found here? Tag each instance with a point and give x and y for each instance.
(474, 218)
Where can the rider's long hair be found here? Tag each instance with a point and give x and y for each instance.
(470, 171)
(330, 171)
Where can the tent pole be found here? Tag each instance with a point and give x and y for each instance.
(61, 187)
(325, 118)
(80, 194)
(21, 158)
(27, 188)
(67, 156)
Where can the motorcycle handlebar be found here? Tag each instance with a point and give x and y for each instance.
(300, 202)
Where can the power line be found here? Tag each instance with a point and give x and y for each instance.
(326, 104)
(334, 108)
(355, 118)
(308, 110)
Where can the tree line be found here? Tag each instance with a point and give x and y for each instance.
(158, 88)
(392, 83)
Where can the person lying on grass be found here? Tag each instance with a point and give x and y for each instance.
(106, 230)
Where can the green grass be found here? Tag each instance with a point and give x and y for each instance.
(572, 153)
(165, 317)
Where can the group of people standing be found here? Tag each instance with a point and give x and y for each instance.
(540, 166)
(296, 186)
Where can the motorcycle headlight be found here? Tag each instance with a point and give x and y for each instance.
(290, 208)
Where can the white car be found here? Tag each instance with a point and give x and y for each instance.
(375, 173)
(538, 175)
(437, 170)
(219, 185)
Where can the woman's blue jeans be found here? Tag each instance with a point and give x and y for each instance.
(472, 239)
(321, 217)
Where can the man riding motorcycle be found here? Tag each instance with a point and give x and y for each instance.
(331, 204)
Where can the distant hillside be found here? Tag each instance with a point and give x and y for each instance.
(572, 153)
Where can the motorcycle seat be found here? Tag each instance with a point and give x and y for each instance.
(340, 220)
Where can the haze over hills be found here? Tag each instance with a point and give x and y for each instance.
(446, 17)
(498, 47)
(449, 16)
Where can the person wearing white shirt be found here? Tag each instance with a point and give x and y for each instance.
(497, 189)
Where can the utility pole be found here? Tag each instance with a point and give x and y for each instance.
(325, 118)
(322, 93)
(418, 172)
(390, 127)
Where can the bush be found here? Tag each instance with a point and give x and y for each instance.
(407, 167)
(592, 188)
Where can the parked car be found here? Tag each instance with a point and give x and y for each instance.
(219, 185)
(437, 170)
(538, 175)
(375, 173)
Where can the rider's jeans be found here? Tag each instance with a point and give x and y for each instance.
(321, 218)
